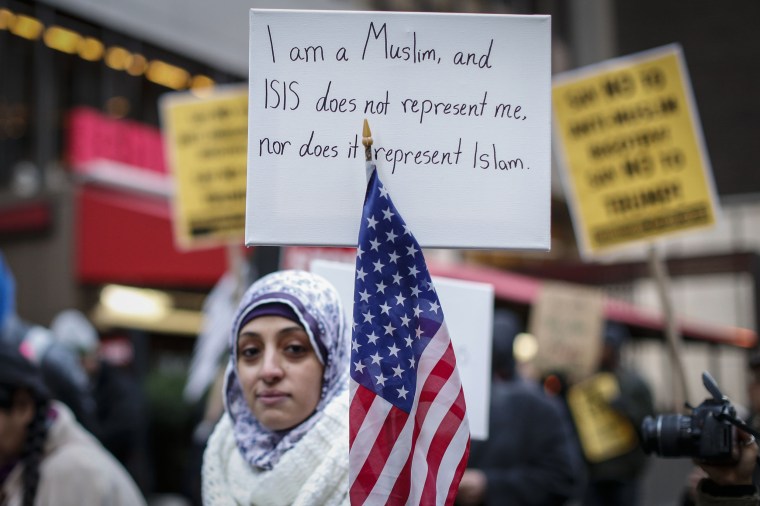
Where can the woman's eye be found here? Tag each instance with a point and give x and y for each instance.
(249, 352)
(296, 349)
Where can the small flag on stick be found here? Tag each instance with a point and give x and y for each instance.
(409, 435)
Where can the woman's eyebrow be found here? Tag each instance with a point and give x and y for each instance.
(291, 330)
(284, 331)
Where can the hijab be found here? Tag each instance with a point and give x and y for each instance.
(319, 310)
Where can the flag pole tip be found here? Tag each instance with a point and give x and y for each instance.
(366, 134)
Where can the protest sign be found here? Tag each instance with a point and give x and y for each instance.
(459, 110)
(604, 433)
(206, 141)
(468, 308)
(628, 137)
(566, 321)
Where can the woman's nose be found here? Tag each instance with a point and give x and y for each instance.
(271, 368)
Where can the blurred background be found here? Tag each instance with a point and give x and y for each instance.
(85, 217)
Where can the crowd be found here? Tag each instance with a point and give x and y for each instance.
(73, 427)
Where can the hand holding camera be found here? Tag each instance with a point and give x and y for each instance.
(741, 472)
(709, 435)
(721, 444)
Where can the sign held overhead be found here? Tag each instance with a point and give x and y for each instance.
(206, 143)
(628, 136)
(459, 110)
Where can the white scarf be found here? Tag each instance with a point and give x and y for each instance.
(313, 472)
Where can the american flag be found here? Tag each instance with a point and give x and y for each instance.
(409, 435)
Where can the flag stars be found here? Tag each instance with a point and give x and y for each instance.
(388, 214)
(405, 320)
(393, 256)
(359, 367)
(397, 278)
(381, 287)
(409, 341)
(411, 250)
(372, 338)
(367, 317)
(375, 358)
(391, 236)
(374, 245)
(407, 231)
(419, 332)
(359, 252)
(397, 371)
(364, 296)
(417, 311)
(383, 192)
(389, 329)
(355, 345)
(413, 271)
(416, 291)
(393, 351)
(371, 222)
(385, 308)
(402, 392)
(378, 266)
(381, 379)
(400, 299)
(360, 274)
(434, 307)
(412, 363)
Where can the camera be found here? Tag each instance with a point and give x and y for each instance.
(708, 434)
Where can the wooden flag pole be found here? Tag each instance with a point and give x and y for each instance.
(367, 141)
(672, 334)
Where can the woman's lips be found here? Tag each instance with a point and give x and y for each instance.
(271, 398)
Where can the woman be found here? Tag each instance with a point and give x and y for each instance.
(46, 457)
(284, 436)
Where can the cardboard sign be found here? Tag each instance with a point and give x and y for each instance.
(468, 308)
(566, 321)
(603, 432)
(629, 139)
(459, 111)
(206, 142)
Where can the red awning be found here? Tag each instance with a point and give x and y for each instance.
(127, 238)
(524, 290)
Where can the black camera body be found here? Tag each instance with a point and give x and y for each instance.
(708, 434)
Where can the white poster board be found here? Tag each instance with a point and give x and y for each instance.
(468, 307)
(459, 107)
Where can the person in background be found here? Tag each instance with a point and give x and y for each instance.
(120, 412)
(616, 481)
(753, 394)
(64, 377)
(46, 457)
(530, 457)
(283, 438)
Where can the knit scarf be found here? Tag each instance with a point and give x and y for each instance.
(313, 472)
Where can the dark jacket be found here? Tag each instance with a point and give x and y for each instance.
(531, 457)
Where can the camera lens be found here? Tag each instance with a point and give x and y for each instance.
(667, 435)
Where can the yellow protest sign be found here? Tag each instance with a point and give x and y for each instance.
(206, 140)
(630, 144)
(603, 432)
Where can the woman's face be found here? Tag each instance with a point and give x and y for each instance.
(13, 426)
(279, 371)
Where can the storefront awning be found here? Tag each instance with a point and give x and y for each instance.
(521, 289)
